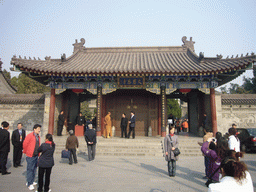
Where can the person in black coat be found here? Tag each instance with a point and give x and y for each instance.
(4, 147)
(45, 163)
(80, 119)
(61, 120)
(124, 122)
(132, 125)
(18, 137)
(90, 138)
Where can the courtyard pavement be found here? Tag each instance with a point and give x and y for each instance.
(119, 174)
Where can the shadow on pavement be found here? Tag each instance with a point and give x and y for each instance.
(186, 176)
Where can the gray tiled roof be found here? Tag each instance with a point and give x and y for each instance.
(238, 99)
(22, 98)
(167, 60)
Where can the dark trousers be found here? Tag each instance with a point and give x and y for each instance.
(123, 131)
(59, 130)
(91, 151)
(178, 130)
(17, 155)
(171, 167)
(3, 161)
(44, 180)
(131, 129)
(72, 153)
(206, 163)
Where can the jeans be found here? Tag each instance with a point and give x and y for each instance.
(171, 167)
(31, 169)
(41, 181)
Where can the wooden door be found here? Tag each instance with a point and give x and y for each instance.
(144, 104)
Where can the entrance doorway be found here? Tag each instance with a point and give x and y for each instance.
(143, 103)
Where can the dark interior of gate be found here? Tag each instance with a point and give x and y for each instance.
(143, 103)
(198, 104)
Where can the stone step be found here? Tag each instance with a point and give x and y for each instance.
(140, 146)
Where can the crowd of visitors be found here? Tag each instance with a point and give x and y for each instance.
(39, 156)
(222, 157)
(223, 168)
(181, 125)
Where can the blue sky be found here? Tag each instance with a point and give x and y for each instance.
(49, 27)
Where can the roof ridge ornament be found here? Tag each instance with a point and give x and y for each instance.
(188, 44)
(47, 58)
(219, 56)
(63, 57)
(78, 46)
(201, 56)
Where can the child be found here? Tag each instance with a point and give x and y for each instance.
(45, 163)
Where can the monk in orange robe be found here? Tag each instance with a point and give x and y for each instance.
(107, 122)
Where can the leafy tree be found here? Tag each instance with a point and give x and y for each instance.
(7, 74)
(224, 90)
(27, 85)
(250, 83)
(84, 108)
(173, 108)
(236, 89)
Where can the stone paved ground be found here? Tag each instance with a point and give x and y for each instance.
(119, 174)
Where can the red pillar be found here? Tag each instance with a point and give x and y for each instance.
(52, 111)
(213, 111)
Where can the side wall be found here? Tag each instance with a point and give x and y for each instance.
(28, 114)
(242, 115)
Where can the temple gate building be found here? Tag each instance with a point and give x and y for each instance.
(138, 79)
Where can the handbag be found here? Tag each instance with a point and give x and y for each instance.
(65, 154)
(176, 151)
(210, 180)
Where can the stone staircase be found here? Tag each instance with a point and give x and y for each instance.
(140, 146)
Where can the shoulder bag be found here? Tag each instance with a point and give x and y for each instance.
(176, 151)
(210, 180)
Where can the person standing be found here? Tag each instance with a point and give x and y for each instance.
(30, 148)
(45, 163)
(124, 122)
(205, 121)
(4, 147)
(233, 141)
(80, 120)
(170, 120)
(61, 120)
(178, 124)
(185, 125)
(18, 137)
(170, 143)
(108, 124)
(208, 134)
(71, 145)
(90, 138)
(132, 125)
(94, 122)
